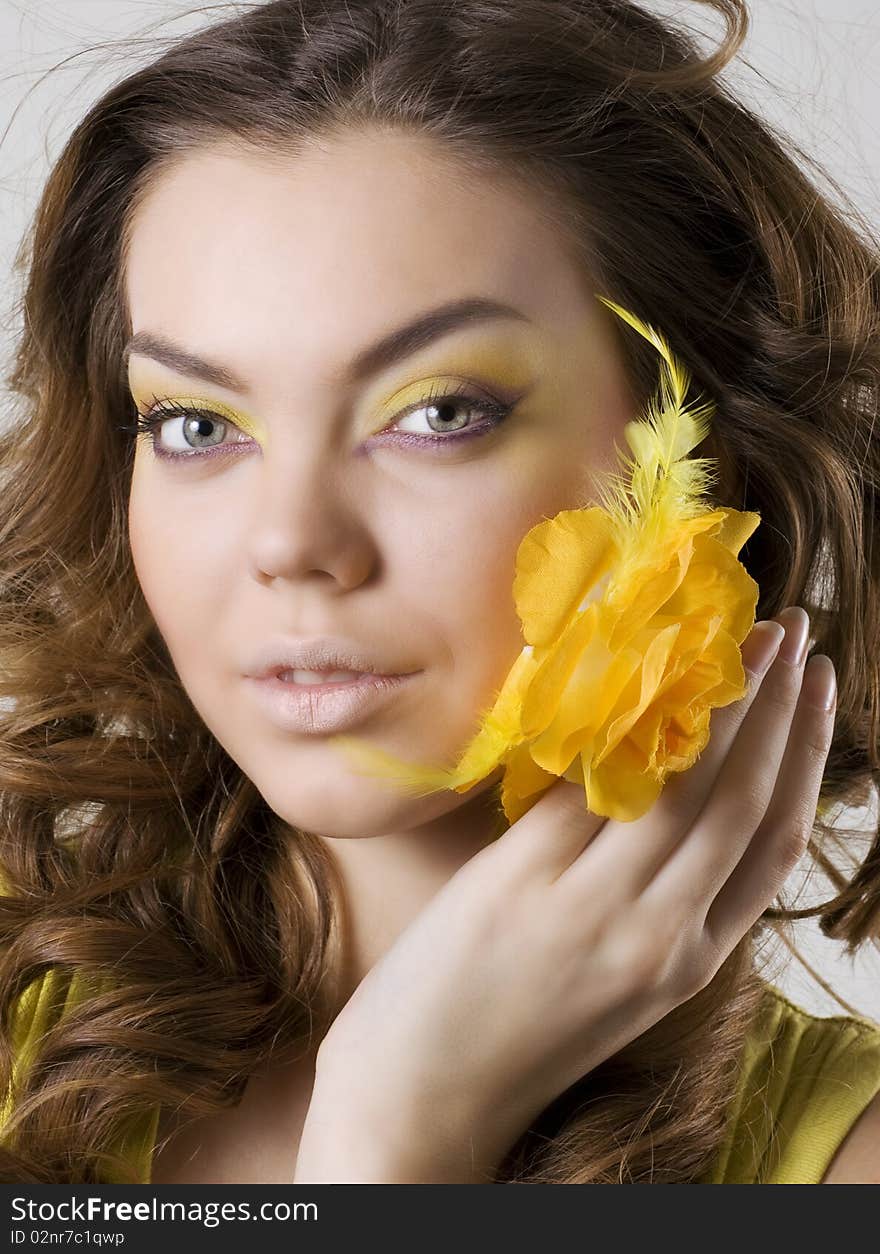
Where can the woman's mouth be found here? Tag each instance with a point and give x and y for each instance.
(317, 702)
(303, 677)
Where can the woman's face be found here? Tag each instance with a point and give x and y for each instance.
(318, 511)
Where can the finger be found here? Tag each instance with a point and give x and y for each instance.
(554, 831)
(627, 856)
(784, 832)
(701, 862)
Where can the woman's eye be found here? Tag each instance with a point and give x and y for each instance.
(180, 431)
(197, 430)
(448, 418)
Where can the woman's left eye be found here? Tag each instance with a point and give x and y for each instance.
(442, 412)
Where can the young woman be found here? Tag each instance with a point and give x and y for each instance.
(310, 341)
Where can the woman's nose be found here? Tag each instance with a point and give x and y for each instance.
(306, 517)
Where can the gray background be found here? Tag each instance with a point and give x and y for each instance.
(810, 67)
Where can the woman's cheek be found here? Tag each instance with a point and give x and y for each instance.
(171, 555)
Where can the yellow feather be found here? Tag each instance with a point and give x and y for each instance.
(662, 484)
(411, 778)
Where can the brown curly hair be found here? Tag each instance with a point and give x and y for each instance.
(138, 857)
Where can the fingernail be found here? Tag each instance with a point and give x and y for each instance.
(764, 644)
(797, 634)
(820, 682)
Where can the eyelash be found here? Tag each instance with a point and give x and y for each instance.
(161, 411)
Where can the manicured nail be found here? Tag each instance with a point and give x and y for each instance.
(797, 634)
(764, 644)
(820, 682)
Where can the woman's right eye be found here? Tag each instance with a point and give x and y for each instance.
(201, 432)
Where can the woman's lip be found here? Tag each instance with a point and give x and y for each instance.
(321, 708)
(285, 670)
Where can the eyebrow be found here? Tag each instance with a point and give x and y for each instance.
(376, 357)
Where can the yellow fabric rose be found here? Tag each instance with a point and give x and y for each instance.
(632, 613)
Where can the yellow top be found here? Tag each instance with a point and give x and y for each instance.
(804, 1082)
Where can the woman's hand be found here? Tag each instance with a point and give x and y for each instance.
(565, 939)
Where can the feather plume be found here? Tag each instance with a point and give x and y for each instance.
(662, 484)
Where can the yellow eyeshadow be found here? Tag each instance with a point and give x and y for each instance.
(514, 365)
(246, 423)
(420, 393)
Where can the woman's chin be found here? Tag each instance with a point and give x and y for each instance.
(342, 804)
